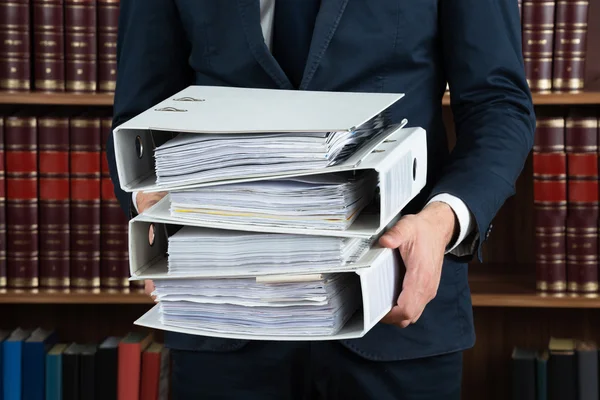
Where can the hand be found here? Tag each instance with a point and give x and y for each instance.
(145, 201)
(421, 240)
(149, 288)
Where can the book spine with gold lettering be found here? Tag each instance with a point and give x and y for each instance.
(114, 260)
(582, 202)
(537, 42)
(15, 45)
(550, 203)
(85, 201)
(108, 22)
(2, 208)
(49, 46)
(570, 45)
(53, 143)
(81, 52)
(20, 135)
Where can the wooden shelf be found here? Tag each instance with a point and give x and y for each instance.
(106, 99)
(518, 291)
(583, 98)
(488, 291)
(67, 99)
(71, 296)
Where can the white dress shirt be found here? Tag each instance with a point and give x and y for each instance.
(465, 219)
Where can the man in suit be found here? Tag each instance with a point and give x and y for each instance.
(407, 46)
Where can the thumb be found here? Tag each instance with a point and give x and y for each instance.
(397, 234)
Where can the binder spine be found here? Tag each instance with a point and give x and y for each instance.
(148, 243)
(379, 287)
(396, 185)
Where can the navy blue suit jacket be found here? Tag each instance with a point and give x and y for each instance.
(408, 46)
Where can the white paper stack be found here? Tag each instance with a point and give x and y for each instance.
(207, 157)
(269, 225)
(331, 201)
(212, 252)
(318, 305)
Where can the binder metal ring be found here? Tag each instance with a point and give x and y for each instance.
(170, 109)
(188, 98)
(139, 146)
(378, 151)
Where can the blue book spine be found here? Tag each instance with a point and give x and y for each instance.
(54, 377)
(12, 370)
(1, 371)
(34, 363)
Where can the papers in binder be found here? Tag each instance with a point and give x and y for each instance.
(331, 201)
(395, 172)
(228, 134)
(284, 307)
(321, 305)
(211, 252)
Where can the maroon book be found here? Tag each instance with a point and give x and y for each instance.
(85, 201)
(108, 22)
(2, 209)
(81, 47)
(15, 45)
(114, 267)
(20, 135)
(54, 198)
(49, 48)
(582, 210)
(537, 43)
(569, 48)
(550, 204)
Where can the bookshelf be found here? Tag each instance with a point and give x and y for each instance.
(72, 296)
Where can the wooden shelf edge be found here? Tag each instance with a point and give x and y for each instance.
(583, 98)
(67, 99)
(106, 99)
(482, 300)
(70, 296)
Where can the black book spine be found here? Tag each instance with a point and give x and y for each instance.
(587, 369)
(106, 373)
(70, 376)
(562, 377)
(87, 377)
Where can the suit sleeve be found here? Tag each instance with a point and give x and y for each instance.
(491, 105)
(152, 52)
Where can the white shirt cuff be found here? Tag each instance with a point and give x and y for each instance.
(134, 200)
(465, 221)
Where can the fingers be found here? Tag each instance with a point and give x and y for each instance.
(148, 287)
(398, 234)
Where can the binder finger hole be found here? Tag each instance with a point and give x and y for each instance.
(139, 146)
(151, 235)
(414, 169)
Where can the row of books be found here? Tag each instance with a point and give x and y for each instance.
(58, 45)
(554, 43)
(566, 369)
(39, 365)
(566, 199)
(60, 222)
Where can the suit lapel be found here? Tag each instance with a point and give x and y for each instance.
(250, 16)
(327, 22)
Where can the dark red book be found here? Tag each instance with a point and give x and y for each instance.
(2, 208)
(20, 135)
(49, 45)
(550, 204)
(537, 43)
(114, 267)
(54, 198)
(85, 201)
(108, 22)
(582, 210)
(15, 45)
(569, 48)
(81, 48)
